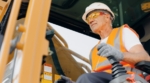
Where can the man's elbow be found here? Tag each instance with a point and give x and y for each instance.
(145, 56)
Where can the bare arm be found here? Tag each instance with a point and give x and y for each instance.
(136, 54)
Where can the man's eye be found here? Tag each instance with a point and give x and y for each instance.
(94, 16)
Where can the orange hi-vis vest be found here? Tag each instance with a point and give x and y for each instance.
(100, 63)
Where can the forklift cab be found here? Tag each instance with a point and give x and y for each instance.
(61, 14)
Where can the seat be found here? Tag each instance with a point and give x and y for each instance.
(61, 58)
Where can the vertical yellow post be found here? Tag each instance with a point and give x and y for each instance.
(8, 36)
(34, 42)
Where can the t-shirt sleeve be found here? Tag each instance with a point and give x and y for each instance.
(130, 39)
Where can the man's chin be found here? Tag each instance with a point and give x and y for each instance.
(95, 31)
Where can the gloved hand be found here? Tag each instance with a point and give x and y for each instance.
(64, 79)
(107, 50)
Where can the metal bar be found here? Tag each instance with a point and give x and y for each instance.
(33, 41)
(42, 44)
(8, 36)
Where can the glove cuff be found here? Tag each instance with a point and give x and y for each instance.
(121, 56)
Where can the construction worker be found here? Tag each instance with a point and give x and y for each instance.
(122, 43)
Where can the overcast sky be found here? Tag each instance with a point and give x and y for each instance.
(77, 42)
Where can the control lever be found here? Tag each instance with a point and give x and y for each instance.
(120, 74)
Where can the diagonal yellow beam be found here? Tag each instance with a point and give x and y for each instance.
(3, 8)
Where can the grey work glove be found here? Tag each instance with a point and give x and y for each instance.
(107, 50)
(64, 79)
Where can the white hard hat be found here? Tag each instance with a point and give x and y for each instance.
(94, 6)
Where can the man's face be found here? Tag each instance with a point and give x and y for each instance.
(96, 20)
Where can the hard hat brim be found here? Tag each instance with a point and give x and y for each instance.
(87, 12)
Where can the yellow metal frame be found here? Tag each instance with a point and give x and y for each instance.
(3, 7)
(145, 6)
(32, 43)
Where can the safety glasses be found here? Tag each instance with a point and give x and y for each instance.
(94, 15)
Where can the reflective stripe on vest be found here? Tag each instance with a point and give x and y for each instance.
(116, 45)
(114, 39)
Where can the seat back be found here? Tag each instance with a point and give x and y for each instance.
(61, 58)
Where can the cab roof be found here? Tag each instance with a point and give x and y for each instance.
(68, 13)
